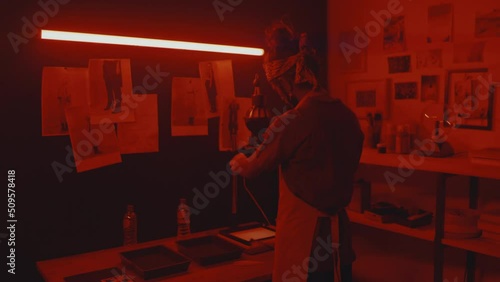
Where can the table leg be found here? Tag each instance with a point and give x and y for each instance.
(439, 226)
(473, 204)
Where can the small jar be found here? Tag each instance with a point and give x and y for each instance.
(381, 148)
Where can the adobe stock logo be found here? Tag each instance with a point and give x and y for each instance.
(221, 7)
(39, 19)
(372, 29)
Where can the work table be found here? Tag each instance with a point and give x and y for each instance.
(248, 268)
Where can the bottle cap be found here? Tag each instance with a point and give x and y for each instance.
(130, 207)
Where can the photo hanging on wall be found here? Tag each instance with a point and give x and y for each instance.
(469, 99)
(395, 35)
(91, 152)
(427, 59)
(368, 96)
(399, 64)
(110, 90)
(429, 88)
(62, 88)
(188, 109)
(405, 90)
(440, 23)
(488, 24)
(141, 136)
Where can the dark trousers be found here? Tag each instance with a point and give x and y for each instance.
(113, 87)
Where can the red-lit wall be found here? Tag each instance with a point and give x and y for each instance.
(83, 212)
(403, 258)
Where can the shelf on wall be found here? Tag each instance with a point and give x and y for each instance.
(477, 245)
(425, 233)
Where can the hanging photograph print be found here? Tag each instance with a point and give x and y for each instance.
(140, 136)
(94, 145)
(189, 111)
(110, 90)
(395, 35)
(440, 23)
(62, 88)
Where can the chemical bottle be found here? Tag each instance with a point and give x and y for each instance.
(129, 226)
(390, 138)
(403, 140)
(183, 220)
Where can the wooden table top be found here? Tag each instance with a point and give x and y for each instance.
(248, 268)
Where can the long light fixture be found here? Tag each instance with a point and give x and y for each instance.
(148, 42)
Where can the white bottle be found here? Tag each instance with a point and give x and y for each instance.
(129, 226)
(183, 220)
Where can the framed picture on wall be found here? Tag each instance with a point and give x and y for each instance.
(469, 99)
(487, 24)
(432, 58)
(429, 88)
(405, 90)
(440, 23)
(368, 96)
(398, 64)
(395, 35)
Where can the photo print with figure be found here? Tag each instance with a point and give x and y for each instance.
(189, 107)
(110, 90)
(94, 145)
(62, 88)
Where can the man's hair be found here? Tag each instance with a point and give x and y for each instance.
(282, 43)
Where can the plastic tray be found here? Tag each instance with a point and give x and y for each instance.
(94, 276)
(155, 262)
(208, 250)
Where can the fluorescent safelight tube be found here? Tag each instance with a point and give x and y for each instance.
(148, 42)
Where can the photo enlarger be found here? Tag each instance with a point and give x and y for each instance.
(253, 237)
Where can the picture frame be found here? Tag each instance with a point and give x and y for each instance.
(368, 96)
(406, 90)
(399, 64)
(469, 99)
(430, 88)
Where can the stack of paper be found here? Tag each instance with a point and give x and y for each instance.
(461, 224)
(489, 222)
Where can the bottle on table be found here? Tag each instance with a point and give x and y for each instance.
(183, 220)
(130, 226)
(390, 138)
(403, 140)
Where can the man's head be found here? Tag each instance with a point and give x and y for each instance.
(290, 63)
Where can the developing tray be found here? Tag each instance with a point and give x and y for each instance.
(154, 262)
(209, 249)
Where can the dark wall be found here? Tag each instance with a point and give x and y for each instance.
(83, 212)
